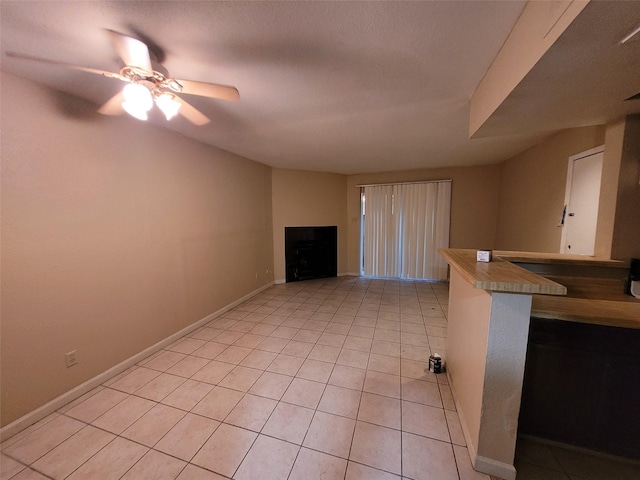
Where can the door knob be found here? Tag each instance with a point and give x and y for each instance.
(571, 214)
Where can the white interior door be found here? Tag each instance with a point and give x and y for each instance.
(582, 200)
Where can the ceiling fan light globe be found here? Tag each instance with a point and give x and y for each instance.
(133, 110)
(168, 104)
(139, 96)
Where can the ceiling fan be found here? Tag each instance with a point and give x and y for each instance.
(147, 83)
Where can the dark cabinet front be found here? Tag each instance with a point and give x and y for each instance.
(582, 386)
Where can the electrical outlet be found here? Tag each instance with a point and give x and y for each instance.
(256, 275)
(71, 358)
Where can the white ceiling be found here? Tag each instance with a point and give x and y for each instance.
(345, 87)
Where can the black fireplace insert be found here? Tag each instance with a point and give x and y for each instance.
(310, 252)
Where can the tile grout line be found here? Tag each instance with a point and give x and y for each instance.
(140, 365)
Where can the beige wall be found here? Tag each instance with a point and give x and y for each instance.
(614, 138)
(533, 187)
(115, 234)
(474, 204)
(626, 233)
(486, 351)
(308, 199)
(470, 312)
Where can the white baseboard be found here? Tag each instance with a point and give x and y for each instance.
(58, 402)
(352, 274)
(280, 281)
(495, 468)
(482, 464)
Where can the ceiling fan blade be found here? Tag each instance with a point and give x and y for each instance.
(66, 65)
(209, 90)
(132, 51)
(113, 105)
(191, 113)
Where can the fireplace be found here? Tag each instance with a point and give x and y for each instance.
(310, 252)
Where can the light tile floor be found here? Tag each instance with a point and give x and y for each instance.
(318, 379)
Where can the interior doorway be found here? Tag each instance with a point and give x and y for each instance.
(582, 197)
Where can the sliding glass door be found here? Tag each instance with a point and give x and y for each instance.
(403, 226)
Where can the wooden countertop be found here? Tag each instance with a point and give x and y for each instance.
(591, 305)
(610, 313)
(558, 259)
(499, 275)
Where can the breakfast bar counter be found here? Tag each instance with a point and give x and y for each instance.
(499, 275)
(487, 334)
(595, 288)
(490, 310)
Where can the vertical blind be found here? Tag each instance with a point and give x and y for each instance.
(404, 226)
